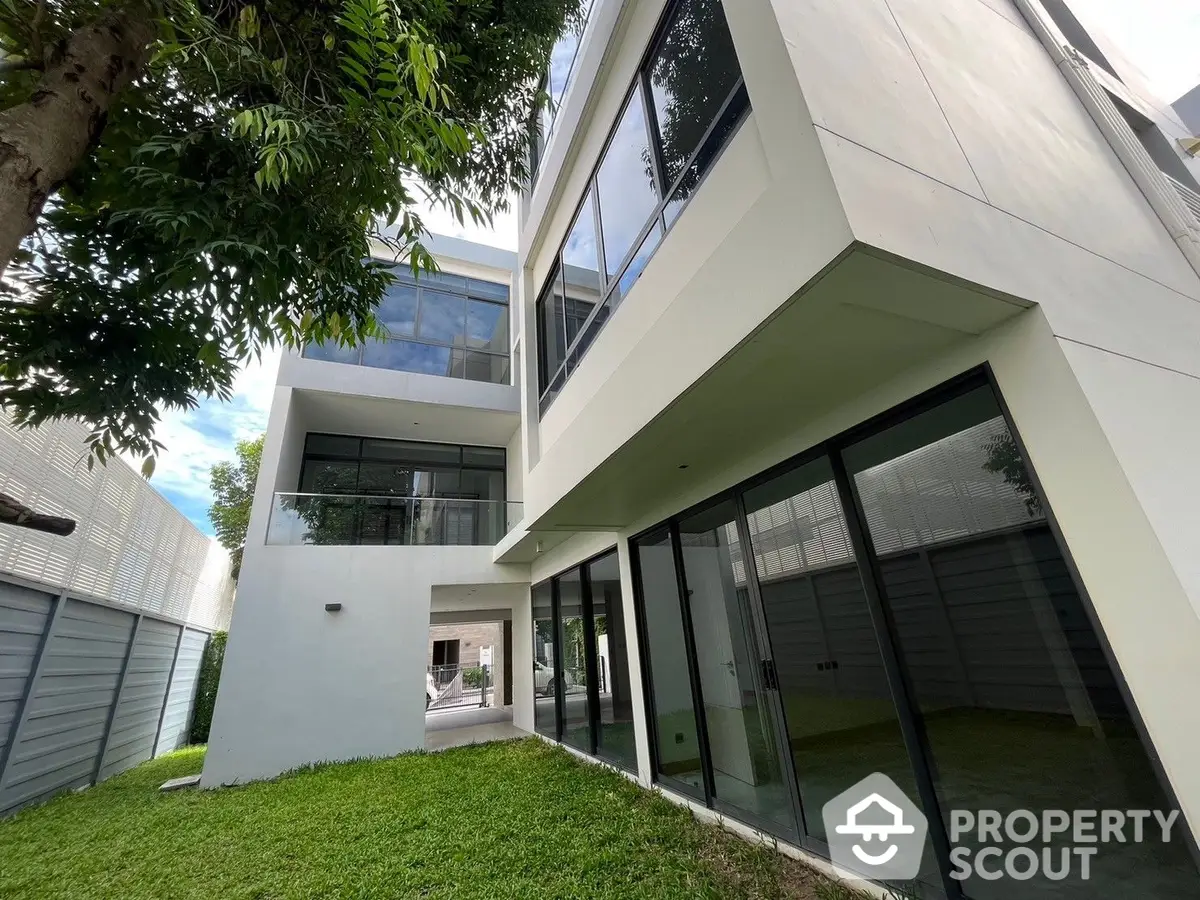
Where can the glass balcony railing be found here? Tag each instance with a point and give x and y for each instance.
(342, 519)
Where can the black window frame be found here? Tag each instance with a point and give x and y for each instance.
(733, 112)
(430, 282)
(867, 560)
(317, 457)
(587, 614)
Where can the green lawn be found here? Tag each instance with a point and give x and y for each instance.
(520, 820)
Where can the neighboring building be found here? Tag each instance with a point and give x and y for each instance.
(1187, 108)
(855, 354)
(101, 632)
(130, 547)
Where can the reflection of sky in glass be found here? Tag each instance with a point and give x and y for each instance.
(627, 194)
(332, 352)
(562, 66)
(562, 58)
(476, 366)
(407, 356)
(397, 311)
(579, 253)
(487, 326)
(442, 317)
(649, 245)
(489, 290)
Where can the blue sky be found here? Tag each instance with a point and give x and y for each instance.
(1162, 37)
(199, 439)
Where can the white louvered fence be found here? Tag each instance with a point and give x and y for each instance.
(131, 547)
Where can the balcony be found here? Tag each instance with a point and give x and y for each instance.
(1190, 198)
(352, 520)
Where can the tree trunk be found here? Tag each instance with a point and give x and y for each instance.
(44, 139)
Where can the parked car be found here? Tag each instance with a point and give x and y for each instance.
(431, 691)
(544, 680)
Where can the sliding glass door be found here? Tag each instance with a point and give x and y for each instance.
(896, 602)
(581, 661)
(741, 714)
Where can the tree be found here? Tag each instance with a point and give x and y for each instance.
(190, 181)
(693, 72)
(1004, 459)
(233, 490)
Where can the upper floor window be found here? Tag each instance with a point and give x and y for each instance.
(563, 59)
(685, 103)
(441, 324)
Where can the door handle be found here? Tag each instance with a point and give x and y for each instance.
(770, 678)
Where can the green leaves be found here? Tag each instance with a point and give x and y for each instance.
(238, 190)
(233, 496)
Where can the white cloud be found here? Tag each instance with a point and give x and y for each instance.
(503, 232)
(198, 439)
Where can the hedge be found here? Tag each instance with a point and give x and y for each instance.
(206, 687)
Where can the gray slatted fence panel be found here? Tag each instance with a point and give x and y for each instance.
(23, 614)
(988, 598)
(177, 717)
(135, 723)
(70, 706)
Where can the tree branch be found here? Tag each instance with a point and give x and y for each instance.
(37, 50)
(24, 65)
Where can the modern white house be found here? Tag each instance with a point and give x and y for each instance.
(843, 419)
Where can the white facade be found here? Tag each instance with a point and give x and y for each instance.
(919, 189)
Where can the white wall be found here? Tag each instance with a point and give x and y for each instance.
(1009, 184)
(301, 684)
(1151, 418)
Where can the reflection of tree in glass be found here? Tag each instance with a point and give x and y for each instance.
(1004, 458)
(573, 654)
(693, 73)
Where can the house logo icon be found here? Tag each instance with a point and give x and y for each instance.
(875, 831)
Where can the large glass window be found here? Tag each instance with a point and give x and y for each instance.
(895, 601)
(551, 329)
(625, 183)
(667, 667)
(545, 679)
(572, 642)
(681, 110)
(400, 492)
(842, 724)
(441, 324)
(581, 673)
(563, 58)
(741, 724)
(693, 73)
(614, 739)
(1019, 707)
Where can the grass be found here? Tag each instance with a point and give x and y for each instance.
(505, 820)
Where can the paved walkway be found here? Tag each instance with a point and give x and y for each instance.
(455, 728)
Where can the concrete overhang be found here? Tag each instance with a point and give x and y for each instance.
(340, 413)
(865, 318)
